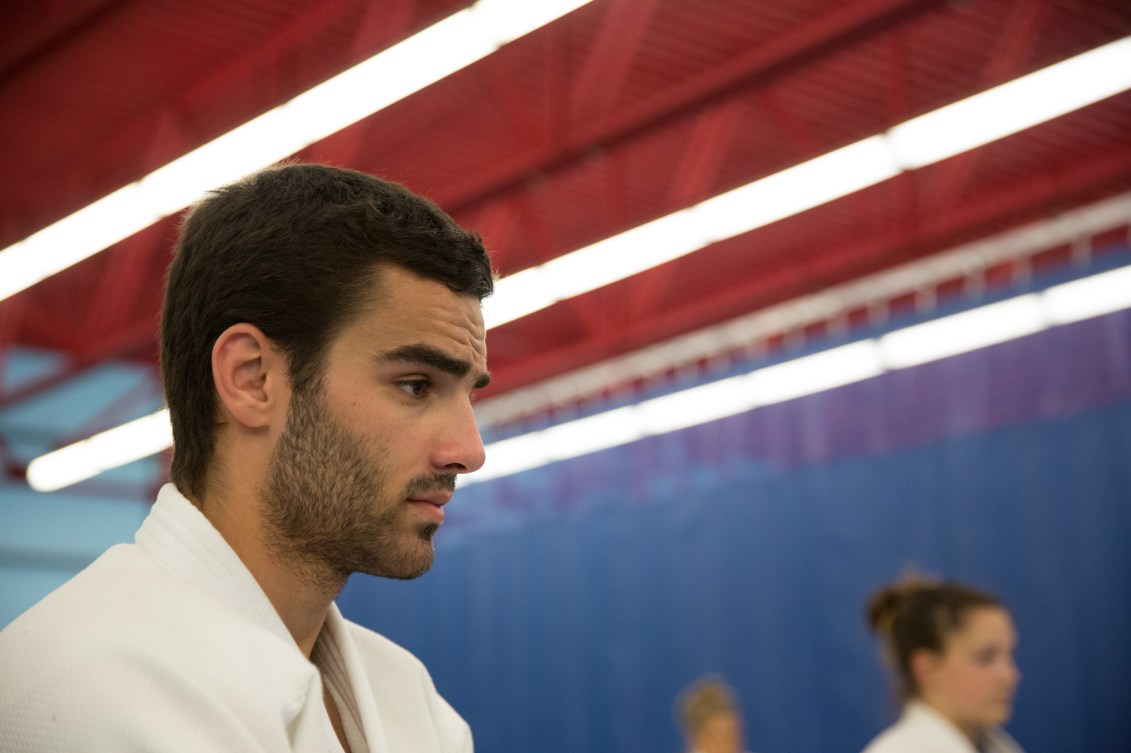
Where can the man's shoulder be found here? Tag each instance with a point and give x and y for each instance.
(124, 613)
(120, 595)
(103, 589)
(126, 655)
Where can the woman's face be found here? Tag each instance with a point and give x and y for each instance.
(973, 680)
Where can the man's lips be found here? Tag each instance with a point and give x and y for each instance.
(431, 504)
(438, 498)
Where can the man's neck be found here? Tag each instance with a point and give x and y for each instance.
(300, 592)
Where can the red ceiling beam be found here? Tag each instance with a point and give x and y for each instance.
(714, 133)
(610, 58)
(824, 34)
(1019, 33)
(38, 32)
(1028, 200)
(120, 286)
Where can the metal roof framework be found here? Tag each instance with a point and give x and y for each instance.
(621, 112)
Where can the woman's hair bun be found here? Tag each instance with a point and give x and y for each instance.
(886, 603)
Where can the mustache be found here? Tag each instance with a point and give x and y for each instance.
(432, 482)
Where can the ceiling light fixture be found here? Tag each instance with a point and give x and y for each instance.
(950, 130)
(1093, 296)
(791, 191)
(123, 444)
(979, 327)
(407, 67)
(960, 333)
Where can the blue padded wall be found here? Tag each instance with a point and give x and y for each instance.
(570, 604)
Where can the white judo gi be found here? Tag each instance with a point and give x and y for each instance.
(921, 729)
(169, 644)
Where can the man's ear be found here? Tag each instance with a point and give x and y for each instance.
(250, 375)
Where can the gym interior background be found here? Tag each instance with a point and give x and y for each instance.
(610, 557)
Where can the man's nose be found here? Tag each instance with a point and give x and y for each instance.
(460, 449)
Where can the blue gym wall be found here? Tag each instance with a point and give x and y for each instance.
(570, 604)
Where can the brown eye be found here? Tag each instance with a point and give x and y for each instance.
(416, 388)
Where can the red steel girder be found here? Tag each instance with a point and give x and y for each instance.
(713, 134)
(608, 62)
(1019, 33)
(822, 35)
(1026, 200)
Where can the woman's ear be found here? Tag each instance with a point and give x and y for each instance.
(250, 376)
(922, 664)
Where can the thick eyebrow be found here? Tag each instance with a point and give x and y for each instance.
(427, 355)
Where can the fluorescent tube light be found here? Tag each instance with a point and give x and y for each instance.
(615, 258)
(783, 194)
(407, 67)
(1070, 85)
(816, 373)
(681, 410)
(515, 455)
(696, 405)
(959, 333)
(975, 121)
(1098, 294)
(567, 440)
(114, 447)
(472, 34)
(1092, 296)
(796, 189)
(1014, 106)
(602, 430)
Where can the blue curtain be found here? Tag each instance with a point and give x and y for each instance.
(570, 604)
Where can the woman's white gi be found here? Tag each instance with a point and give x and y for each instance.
(921, 729)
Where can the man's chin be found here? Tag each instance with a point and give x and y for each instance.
(406, 572)
(405, 565)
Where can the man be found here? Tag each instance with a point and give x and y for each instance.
(321, 339)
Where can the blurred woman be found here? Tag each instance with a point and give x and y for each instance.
(951, 648)
(710, 717)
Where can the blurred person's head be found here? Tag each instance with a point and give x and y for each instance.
(710, 718)
(951, 647)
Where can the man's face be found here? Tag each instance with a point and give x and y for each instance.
(370, 453)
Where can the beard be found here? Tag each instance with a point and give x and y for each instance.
(326, 504)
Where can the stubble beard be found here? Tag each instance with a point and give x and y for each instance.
(326, 507)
